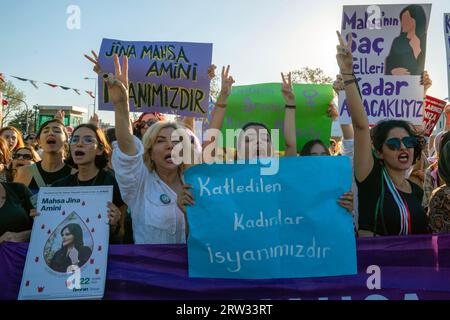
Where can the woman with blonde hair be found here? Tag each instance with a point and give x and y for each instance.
(149, 178)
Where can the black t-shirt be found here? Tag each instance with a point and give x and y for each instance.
(15, 212)
(49, 177)
(103, 178)
(388, 223)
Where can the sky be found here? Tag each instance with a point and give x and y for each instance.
(258, 38)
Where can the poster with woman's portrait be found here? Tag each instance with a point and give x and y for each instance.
(67, 255)
(389, 50)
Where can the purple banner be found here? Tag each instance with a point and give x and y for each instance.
(403, 268)
(166, 77)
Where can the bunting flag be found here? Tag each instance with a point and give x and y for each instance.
(34, 83)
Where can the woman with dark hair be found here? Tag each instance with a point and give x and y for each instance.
(90, 153)
(407, 55)
(389, 204)
(53, 137)
(315, 148)
(73, 252)
(439, 209)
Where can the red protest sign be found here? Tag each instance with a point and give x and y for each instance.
(433, 110)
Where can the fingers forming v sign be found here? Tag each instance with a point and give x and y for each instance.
(94, 60)
(286, 89)
(118, 83)
(344, 54)
(227, 81)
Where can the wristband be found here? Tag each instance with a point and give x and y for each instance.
(348, 74)
(290, 106)
(221, 105)
(347, 82)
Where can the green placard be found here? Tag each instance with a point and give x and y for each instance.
(264, 103)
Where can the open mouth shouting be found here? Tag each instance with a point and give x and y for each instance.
(79, 154)
(50, 141)
(403, 158)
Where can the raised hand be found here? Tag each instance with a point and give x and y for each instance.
(118, 84)
(185, 198)
(60, 114)
(338, 84)
(94, 60)
(344, 55)
(94, 120)
(212, 71)
(286, 89)
(332, 111)
(426, 81)
(225, 90)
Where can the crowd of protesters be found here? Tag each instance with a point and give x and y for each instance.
(401, 180)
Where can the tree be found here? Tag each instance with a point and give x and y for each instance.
(14, 97)
(19, 121)
(310, 75)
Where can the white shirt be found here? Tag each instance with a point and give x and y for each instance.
(155, 220)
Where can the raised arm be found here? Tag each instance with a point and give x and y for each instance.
(363, 160)
(218, 114)
(118, 91)
(290, 131)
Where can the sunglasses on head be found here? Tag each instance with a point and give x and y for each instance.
(24, 156)
(395, 143)
(148, 123)
(84, 140)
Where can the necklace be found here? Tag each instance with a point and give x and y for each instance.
(91, 184)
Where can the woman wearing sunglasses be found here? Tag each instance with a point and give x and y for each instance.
(90, 153)
(24, 156)
(389, 204)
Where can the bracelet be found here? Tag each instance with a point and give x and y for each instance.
(290, 106)
(348, 74)
(347, 82)
(221, 105)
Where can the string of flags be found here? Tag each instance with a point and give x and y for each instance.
(35, 83)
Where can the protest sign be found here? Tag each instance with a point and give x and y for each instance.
(433, 110)
(388, 59)
(264, 103)
(289, 225)
(166, 77)
(68, 250)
